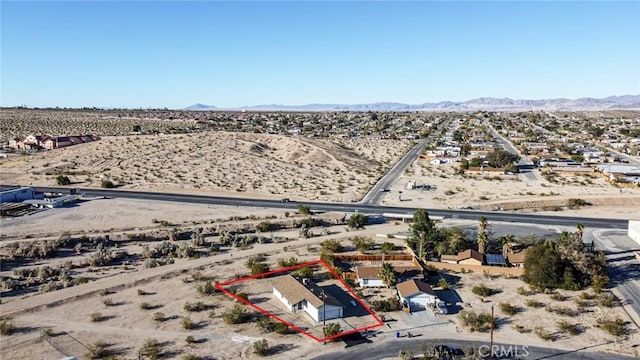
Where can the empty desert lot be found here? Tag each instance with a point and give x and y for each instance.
(214, 162)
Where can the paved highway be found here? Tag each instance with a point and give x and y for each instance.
(391, 348)
(378, 191)
(375, 195)
(350, 207)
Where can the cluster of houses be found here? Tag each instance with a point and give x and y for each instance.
(303, 295)
(47, 142)
(511, 256)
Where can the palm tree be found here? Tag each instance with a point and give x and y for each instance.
(506, 247)
(580, 230)
(387, 274)
(482, 242)
(482, 224)
(482, 234)
(386, 248)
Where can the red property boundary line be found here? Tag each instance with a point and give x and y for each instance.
(220, 286)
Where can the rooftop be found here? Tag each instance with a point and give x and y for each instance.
(413, 286)
(295, 291)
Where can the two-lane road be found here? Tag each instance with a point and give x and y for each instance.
(378, 191)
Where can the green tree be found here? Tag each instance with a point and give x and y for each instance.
(500, 158)
(387, 274)
(303, 209)
(107, 184)
(332, 245)
(62, 180)
(363, 244)
(386, 248)
(424, 235)
(357, 221)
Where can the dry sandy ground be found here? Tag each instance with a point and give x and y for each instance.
(109, 215)
(260, 165)
(126, 325)
(515, 191)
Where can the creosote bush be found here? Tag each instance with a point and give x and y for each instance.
(482, 290)
(7, 328)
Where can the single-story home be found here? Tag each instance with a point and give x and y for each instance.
(416, 294)
(308, 297)
(515, 257)
(369, 276)
(470, 257)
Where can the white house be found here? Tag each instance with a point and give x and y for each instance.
(369, 276)
(416, 294)
(306, 296)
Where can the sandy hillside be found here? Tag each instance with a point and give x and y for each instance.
(217, 162)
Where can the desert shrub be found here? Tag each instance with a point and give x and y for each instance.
(243, 296)
(190, 339)
(196, 307)
(509, 309)
(48, 331)
(543, 333)
(158, 316)
(108, 302)
(192, 357)
(206, 288)
(482, 290)
(212, 314)
(261, 347)
(259, 268)
(443, 283)
(146, 306)
(142, 292)
(63, 180)
(533, 303)
(265, 324)
(390, 304)
(587, 296)
(288, 262)
(264, 226)
(519, 328)
(236, 315)
(283, 329)
(566, 327)
(558, 297)
(150, 349)
(614, 327)
(332, 246)
(524, 292)
(607, 300)
(95, 317)
(357, 221)
(332, 329)
(108, 184)
(99, 350)
(561, 310)
(475, 322)
(187, 323)
(7, 328)
(363, 244)
(303, 272)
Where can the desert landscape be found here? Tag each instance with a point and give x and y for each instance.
(127, 302)
(254, 165)
(490, 191)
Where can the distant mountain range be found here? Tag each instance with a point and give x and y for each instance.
(625, 102)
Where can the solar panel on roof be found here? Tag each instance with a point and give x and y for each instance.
(495, 259)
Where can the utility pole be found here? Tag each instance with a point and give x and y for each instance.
(324, 316)
(491, 347)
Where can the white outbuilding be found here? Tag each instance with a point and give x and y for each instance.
(306, 296)
(416, 294)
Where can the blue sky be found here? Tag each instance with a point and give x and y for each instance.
(174, 54)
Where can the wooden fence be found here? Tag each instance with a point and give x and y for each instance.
(494, 270)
